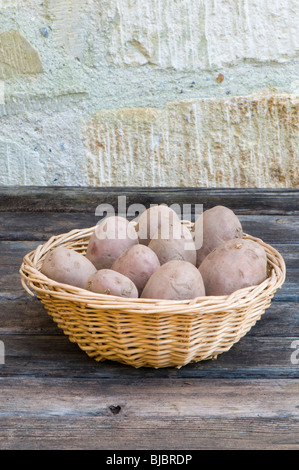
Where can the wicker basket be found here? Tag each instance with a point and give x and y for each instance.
(146, 332)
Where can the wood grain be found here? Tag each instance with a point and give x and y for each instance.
(153, 414)
(70, 199)
(36, 226)
(54, 356)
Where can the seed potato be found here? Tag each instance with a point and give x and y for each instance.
(173, 242)
(68, 267)
(138, 263)
(175, 280)
(151, 219)
(112, 236)
(215, 226)
(233, 265)
(107, 281)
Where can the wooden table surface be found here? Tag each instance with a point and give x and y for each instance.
(53, 396)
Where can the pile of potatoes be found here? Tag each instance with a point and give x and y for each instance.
(158, 258)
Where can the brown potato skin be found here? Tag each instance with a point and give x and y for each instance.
(138, 263)
(171, 241)
(218, 224)
(234, 265)
(151, 219)
(112, 236)
(68, 267)
(109, 282)
(175, 280)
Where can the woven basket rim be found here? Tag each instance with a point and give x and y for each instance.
(32, 278)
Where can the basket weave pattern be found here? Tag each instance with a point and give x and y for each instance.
(146, 332)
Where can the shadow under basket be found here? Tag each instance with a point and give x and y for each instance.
(146, 332)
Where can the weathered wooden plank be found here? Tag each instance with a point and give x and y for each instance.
(41, 397)
(12, 252)
(41, 226)
(264, 352)
(83, 199)
(55, 356)
(290, 254)
(28, 316)
(157, 414)
(170, 433)
(36, 226)
(272, 229)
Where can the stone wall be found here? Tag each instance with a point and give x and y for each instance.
(149, 93)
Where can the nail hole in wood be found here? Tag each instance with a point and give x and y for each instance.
(115, 409)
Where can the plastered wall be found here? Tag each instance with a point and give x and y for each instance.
(149, 93)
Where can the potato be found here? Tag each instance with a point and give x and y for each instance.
(112, 236)
(173, 241)
(67, 266)
(138, 263)
(233, 265)
(175, 280)
(107, 281)
(151, 219)
(215, 226)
